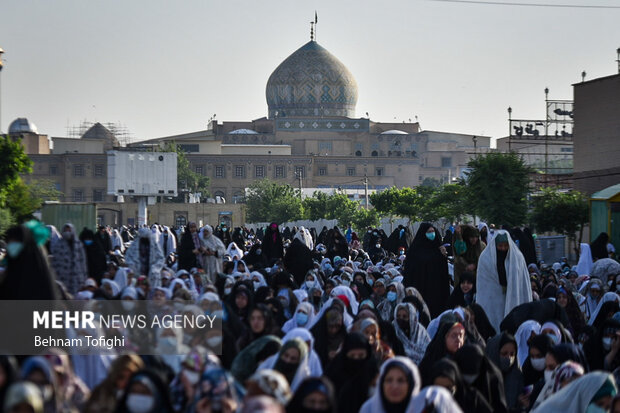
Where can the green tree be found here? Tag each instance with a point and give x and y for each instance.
(498, 186)
(315, 206)
(13, 162)
(412, 203)
(269, 201)
(450, 201)
(6, 220)
(187, 178)
(24, 199)
(365, 218)
(563, 212)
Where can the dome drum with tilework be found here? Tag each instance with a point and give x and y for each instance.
(311, 82)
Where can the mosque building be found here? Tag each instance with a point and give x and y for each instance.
(311, 138)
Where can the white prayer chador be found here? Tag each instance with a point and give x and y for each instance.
(576, 396)
(584, 266)
(490, 294)
(211, 264)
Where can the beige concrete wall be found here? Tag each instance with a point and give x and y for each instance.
(114, 213)
(69, 145)
(256, 150)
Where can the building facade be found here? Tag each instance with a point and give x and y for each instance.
(597, 133)
(310, 138)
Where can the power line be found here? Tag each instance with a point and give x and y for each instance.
(498, 3)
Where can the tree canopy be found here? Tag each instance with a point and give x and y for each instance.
(497, 186)
(269, 201)
(187, 178)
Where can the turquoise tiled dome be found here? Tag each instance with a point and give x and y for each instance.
(311, 82)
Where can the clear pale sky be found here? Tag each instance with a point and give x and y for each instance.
(164, 67)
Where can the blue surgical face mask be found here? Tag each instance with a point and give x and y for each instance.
(301, 319)
(430, 235)
(594, 408)
(14, 248)
(88, 242)
(370, 281)
(556, 339)
(391, 296)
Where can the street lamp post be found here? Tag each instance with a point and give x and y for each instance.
(509, 128)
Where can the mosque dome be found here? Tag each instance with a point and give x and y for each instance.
(98, 131)
(243, 132)
(394, 132)
(22, 125)
(311, 82)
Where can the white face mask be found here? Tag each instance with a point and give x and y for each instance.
(538, 364)
(309, 284)
(191, 376)
(470, 378)
(227, 291)
(140, 403)
(128, 305)
(214, 341)
(607, 343)
(548, 375)
(256, 285)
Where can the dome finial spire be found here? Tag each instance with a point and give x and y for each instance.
(313, 27)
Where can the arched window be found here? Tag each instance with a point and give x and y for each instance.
(374, 153)
(220, 197)
(238, 198)
(358, 153)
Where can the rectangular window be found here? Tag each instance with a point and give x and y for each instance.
(239, 171)
(53, 169)
(78, 195)
(58, 186)
(259, 171)
(98, 171)
(78, 170)
(566, 150)
(300, 171)
(219, 171)
(374, 146)
(189, 148)
(379, 171)
(325, 147)
(322, 171)
(199, 170)
(359, 146)
(446, 162)
(97, 195)
(279, 172)
(350, 171)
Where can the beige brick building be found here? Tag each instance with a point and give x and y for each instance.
(597, 134)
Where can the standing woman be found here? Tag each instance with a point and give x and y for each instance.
(145, 257)
(28, 275)
(69, 259)
(503, 281)
(399, 382)
(214, 251)
(426, 269)
(189, 250)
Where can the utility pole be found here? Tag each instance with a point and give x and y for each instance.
(546, 136)
(366, 189)
(298, 176)
(1, 65)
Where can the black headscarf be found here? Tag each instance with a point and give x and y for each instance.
(472, 360)
(426, 269)
(598, 247)
(28, 276)
(187, 259)
(309, 386)
(95, 254)
(468, 398)
(483, 325)
(542, 343)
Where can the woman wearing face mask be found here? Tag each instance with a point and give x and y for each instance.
(606, 308)
(553, 331)
(146, 392)
(28, 275)
(446, 374)
(410, 332)
(95, 254)
(145, 257)
(591, 393)
(556, 357)
(502, 350)
(69, 259)
(394, 296)
(467, 249)
(534, 366)
(298, 257)
(104, 397)
(304, 317)
(314, 395)
(479, 372)
(398, 384)
(566, 300)
(354, 368)
(329, 333)
(426, 269)
(183, 386)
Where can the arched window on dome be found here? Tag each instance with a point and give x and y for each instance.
(358, 153)
(374, 153)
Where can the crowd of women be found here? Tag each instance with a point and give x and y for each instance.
(330, 321)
